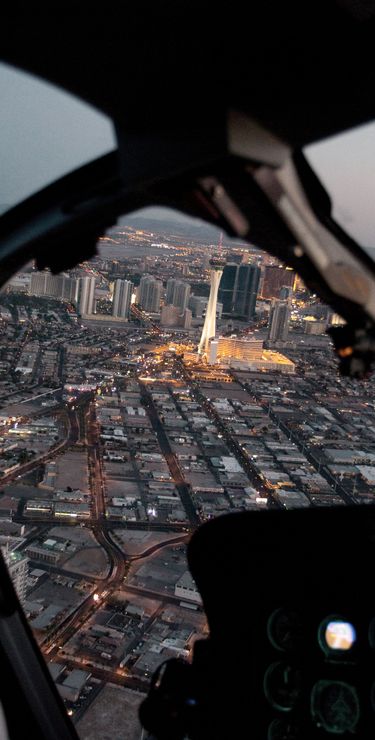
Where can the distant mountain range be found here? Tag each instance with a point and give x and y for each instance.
(184, 227)
(165, 221)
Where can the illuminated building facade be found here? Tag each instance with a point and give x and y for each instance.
(121, 298)
(249, 354)
(240, 349)
(275, 278)
(87, 295)
(209, 327)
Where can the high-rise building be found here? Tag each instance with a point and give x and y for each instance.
(178, 293)
(38, 283)
(197, 304)
(150, 291)
(249, 353)
(239, 289)
(18, 570)
(173, 316)
(241, 349)
(170, 291)
(278, 327)
(228, 286)
(209, 327)
(169, 315)
(55, 286)
(275, 278)
(70, 290)
(87, 295)
(121, 298)
(285, 293)
(246, 292)
(186, 319)
(181, 295)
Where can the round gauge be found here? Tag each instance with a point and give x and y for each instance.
(284, 629)
(335, 706)
(336, 635)
(280, 729)
(282, 685)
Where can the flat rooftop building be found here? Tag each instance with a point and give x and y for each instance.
(249, 354)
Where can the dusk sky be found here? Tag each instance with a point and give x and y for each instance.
(46, 133)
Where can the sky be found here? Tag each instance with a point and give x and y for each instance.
(346, 167)
(45, 133)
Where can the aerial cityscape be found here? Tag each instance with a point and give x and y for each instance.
(176, 377)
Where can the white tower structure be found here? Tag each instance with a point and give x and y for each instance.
(87, 297)
(209, 326)
(121, 298)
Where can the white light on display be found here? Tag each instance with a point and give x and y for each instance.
(340, 635)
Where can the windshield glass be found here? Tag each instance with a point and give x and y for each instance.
(345, 164)
(45, 133)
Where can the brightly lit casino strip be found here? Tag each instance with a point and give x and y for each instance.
(217, 265)
(246, 354)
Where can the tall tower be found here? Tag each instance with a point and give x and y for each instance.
(121, 298)
(209, 326)
(150, 291)
(246, 290)
(278, 326)
(178, 293)
(87, 297)
(228, 287)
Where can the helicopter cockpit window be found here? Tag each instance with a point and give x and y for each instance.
(177, 376)
(345, 165)
(45, 133)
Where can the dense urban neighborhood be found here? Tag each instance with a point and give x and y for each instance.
(171, 380)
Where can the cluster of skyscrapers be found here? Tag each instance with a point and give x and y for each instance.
(238, 286)
(81, 292)
(234, 289)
